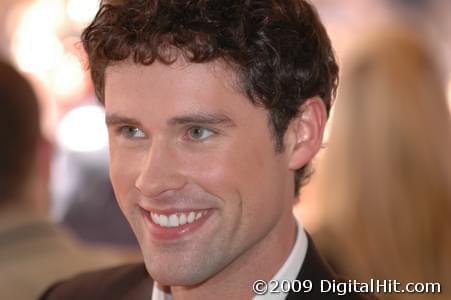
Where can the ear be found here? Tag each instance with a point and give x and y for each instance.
(305, 132)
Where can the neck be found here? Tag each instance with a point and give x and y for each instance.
(262, 261)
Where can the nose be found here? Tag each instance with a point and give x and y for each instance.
(160, 171)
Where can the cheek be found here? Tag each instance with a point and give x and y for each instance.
(240, 171)
(124, 169)
(260, 174)
(254, 164)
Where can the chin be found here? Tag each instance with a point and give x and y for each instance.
(185, 279)
(177, 276)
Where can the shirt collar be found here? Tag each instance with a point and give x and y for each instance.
(289, 270)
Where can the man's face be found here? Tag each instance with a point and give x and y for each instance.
(194, 169)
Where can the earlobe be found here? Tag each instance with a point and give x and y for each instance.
(307, 131)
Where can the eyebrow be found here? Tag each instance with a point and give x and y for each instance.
(202, 119)
(197, 118)
(115, 119)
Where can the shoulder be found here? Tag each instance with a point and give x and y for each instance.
(316, 271)
(123, 282)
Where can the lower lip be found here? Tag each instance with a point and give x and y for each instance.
(171, 233)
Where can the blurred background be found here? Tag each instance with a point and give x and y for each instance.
(41, 38)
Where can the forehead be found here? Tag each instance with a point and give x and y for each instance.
(176, 87)
(181, 74)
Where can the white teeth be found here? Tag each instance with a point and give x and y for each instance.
(175, 220)
(191, 217)
(182, 219)
(164, 221)
(154, 218)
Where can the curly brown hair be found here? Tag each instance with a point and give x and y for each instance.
(278, 48)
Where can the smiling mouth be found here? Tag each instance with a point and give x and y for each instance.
(176, 219)
(172, 224)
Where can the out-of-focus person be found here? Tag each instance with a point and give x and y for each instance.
(33, 252)
(383, 186)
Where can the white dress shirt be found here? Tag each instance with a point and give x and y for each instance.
(289, 270)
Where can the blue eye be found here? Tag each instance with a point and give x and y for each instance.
(132, 132)
(199, 133)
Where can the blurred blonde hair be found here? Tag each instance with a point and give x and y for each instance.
(384, 182)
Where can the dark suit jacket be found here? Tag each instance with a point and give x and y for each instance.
(131, 282)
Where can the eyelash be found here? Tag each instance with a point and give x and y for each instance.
(188, 130)
(122, 131)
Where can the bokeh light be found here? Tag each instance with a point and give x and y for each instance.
(70, 76)
(83, 129)
(45, 56)
(35, 45)
(82, 11)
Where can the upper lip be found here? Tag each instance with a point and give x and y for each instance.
(173, 210)
(178, 202)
